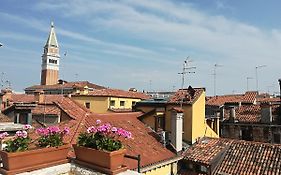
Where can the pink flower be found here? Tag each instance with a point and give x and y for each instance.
(26, 127)
(53, 129)
(98, 122)
(66, 130)
(91, 129)
(3, 135)
(114, 129)
(43, 131)
(21, 134)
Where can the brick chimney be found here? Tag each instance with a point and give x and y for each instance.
(1, 102)
(266, 112)
(176, 129)
(39, 97)
(7, 97)
(232, 115)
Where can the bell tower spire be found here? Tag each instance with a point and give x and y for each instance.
(50, 59)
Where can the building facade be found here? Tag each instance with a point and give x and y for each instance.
(159, 114)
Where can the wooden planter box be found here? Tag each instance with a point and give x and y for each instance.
(33, 159)
(104, 159)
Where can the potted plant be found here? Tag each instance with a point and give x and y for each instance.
(17, 156)
(101, 146)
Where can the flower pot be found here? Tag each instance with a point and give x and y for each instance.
(109, 160)
(33, 159)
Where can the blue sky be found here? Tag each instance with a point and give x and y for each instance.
(130, 43)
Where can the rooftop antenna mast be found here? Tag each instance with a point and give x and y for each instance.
(215, 77)
(2, 79)
(186, 69)
(62, 82)
(248, 78)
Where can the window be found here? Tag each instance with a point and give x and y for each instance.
(53, 61)
(134, 103)
(276, 138)
(112, 103)
(88, 104)
(122, 103)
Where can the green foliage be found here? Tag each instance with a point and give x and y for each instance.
(54, 140)
(17, 145)
(98, 141)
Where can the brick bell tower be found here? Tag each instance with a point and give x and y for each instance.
(50, 60)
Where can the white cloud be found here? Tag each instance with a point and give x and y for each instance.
(166, 32)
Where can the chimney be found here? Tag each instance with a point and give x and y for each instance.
(1, 102)
(266, 112)
(39, 97)
(7, 97)
(176, 129)
(232, 116)
(222, 113)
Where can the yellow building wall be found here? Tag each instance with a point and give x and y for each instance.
(210, 132)
(128, 102)
(97, 104)
(149, 119)
(102, 104)
(187, 126)
(164, 170)
(199, 126)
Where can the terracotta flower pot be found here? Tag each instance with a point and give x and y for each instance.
(33, 159)
(110, 160)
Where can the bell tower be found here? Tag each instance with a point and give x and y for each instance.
(50, 60)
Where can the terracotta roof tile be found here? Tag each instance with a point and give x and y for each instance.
(248, 97)
(246, 113)
(268, 99)
(4, 118)
(250, 113)
(27, 98)
(188, 96)
(206, 150)
(75, 84)
(221, 100)
(241, 157)
(143, 143)
(116, 93)
(46, 109)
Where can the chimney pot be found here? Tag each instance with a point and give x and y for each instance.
(176, 128)
(232, 116)
(266, 112)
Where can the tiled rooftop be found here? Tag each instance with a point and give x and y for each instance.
(188, 96)
(241, 157)
(46, 109)
(205, 150)
(248, 97)
(27, 98)
(250, 113)
(143, 142)
(4, 118)
(116, 93)
(75, 84)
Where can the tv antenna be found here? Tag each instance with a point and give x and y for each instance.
(215, 77)
(248, 78)
(186, 69)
